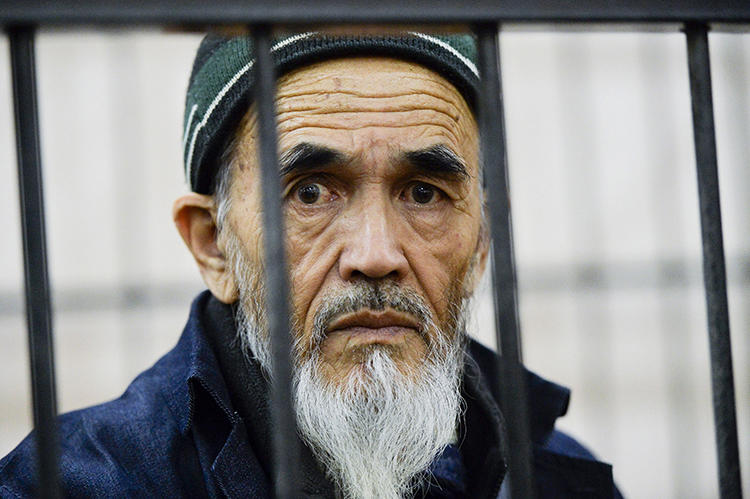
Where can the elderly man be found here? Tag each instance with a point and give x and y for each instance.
(386, 240)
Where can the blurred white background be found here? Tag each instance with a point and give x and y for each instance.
(605, 219)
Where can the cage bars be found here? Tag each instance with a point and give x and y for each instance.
(285, 442)
(38, 308)
(17, 17)
(221, 12)
(494, 157)
(714, 272)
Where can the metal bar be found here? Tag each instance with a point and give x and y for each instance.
(513, 382)
(285, 442)
(38, 309)
(199, 12)
(714, 273)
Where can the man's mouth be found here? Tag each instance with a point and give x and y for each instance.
(373, 326)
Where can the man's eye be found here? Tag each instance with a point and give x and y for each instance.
(309, 193)
(423, 193)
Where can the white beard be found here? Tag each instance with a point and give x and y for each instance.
(378, 431)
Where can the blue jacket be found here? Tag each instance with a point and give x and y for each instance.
(175, 432)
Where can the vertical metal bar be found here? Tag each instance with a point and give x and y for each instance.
(38, 310)
(714, 273)
(285, 442)
(514, 402)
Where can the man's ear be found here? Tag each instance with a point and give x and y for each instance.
(195, 218)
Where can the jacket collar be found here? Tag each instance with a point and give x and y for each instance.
(483, 434)
(548, 401)
(198, 368)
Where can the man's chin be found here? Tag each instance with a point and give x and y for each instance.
(345, 354)
(362, 362)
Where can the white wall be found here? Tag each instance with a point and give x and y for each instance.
(605, 219)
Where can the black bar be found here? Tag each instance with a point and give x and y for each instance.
(714, 273)
(512, 382)
(200, 12)
(38, 309)
(285, 442)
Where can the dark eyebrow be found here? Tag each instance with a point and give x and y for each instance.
(438, 160)
(307, 156)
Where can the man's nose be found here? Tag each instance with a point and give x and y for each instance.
(372, 247)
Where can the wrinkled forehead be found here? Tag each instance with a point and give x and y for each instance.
(360, 104)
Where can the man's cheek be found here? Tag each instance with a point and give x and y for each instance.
(303, 291)
(248, 227)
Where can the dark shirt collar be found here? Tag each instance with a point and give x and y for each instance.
(249, 395)
(447, 475)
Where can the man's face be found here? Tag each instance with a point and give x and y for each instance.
(380, 186)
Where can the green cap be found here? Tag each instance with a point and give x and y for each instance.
(219, 91)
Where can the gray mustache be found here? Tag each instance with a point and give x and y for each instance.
(378, 296)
